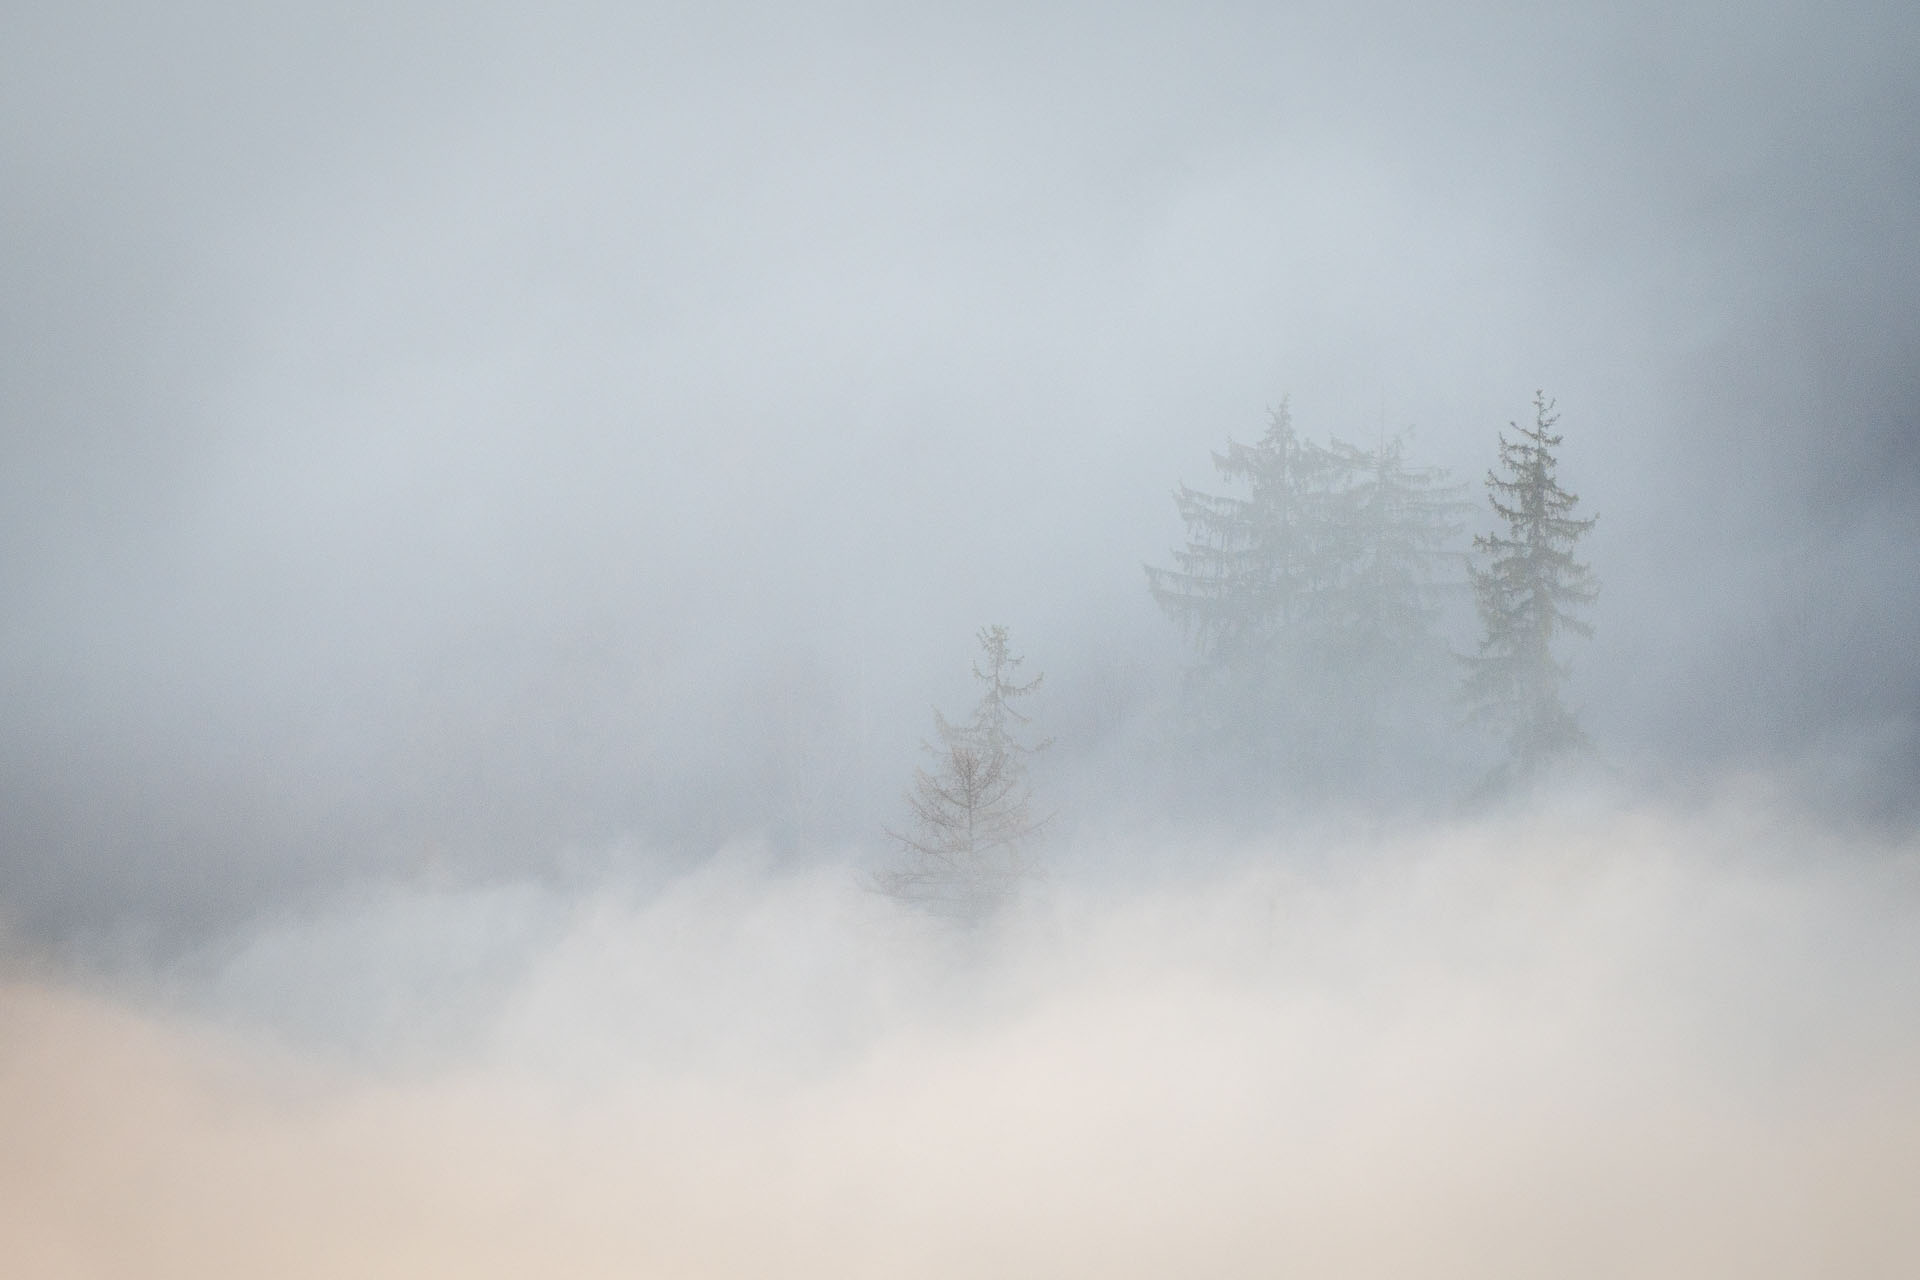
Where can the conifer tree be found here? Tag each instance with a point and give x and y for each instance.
(1527, 593)
(1247, 575)
(1313, 601)
(1392, 526)
(969, 849)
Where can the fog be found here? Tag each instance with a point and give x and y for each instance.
(493, 501)
(1596, 1040)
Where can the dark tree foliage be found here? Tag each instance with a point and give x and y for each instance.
(1528, 592)
(969, 848)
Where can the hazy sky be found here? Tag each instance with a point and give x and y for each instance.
(457, 436)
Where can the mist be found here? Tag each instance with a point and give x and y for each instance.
(1595, 1040)
(494, 503)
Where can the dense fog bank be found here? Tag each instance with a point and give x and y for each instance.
(1586, 1037)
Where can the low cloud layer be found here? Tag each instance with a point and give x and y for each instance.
(1589, 1039)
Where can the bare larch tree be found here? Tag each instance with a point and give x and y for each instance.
(969, 847)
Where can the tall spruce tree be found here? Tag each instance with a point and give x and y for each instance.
(1313, 601)
(1248, 573)
(969, 849)
(1392, 525)
(1372, 691)
(1527, 592)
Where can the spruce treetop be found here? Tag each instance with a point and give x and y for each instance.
(1528, 592)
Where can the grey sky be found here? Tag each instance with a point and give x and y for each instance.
(438, 434)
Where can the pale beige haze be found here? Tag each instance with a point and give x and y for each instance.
(1583, 1044)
